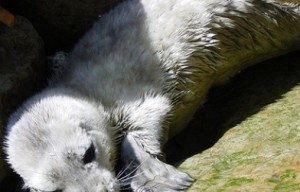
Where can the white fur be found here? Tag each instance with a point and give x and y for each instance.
(136, 78)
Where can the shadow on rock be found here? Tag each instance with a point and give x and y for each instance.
(229, 105)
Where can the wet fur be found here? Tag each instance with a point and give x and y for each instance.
(134, 80)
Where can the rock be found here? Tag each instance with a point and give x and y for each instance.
(22, 69)
(3, 168)
(261, 149)
(60, 22)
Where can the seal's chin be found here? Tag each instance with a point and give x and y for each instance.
(73, 173)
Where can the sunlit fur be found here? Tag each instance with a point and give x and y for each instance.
(134, 80)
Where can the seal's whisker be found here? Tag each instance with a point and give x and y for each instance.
(126, 187)
(132, 177)
(125, 177)
(124, 169)
(125, 184)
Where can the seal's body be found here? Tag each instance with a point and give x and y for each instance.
(132, 81)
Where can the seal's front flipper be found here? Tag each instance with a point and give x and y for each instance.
(145, 172)
(141, 148)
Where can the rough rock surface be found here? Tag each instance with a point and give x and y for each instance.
(22, 69)
(60, 22)
(261, 149)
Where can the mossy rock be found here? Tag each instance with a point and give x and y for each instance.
(259, 114)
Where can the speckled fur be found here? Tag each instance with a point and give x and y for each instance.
(135, 79)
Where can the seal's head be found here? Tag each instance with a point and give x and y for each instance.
(60, 143)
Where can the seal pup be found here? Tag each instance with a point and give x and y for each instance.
(135, 80)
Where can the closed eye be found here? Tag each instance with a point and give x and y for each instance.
(89, 155)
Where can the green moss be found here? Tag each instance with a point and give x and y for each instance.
(285, 181)
(225, 164)
(287, 187)
(238, 181)
(287, 175)
(234, 159)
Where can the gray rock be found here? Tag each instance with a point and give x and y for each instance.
(260, 151)
(22, 69)
(60, 22)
